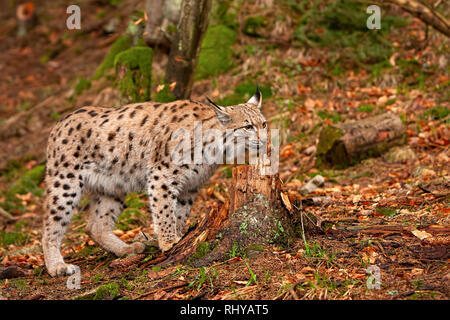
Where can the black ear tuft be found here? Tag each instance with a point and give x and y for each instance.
(215, 105)
(221, 113)
(256, 99)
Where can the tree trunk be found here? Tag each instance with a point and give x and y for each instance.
(345, 144)
(160, 15)
(431, 17)
(192, 25)
(154, 10)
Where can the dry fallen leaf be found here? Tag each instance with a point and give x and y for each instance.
(160, 88)
(286, 201)
(421, 234)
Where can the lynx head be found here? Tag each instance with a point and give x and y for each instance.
(245, 122)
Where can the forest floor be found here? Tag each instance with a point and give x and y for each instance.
(390, 212)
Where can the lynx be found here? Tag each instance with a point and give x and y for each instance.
(111, 152)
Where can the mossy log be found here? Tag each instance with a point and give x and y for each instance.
(250, 220)
(345, 144)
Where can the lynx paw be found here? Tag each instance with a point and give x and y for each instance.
(167, 245)
(62, 269)
(138, 247)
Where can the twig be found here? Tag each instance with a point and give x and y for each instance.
(161, 289)
(6, 215)
(293, 294)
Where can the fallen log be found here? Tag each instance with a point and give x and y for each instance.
(345, 144)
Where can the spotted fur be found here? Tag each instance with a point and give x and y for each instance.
(111, 152)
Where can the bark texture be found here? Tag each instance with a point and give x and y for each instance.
(431, 17)
(192, 25)
(345, 144)
(160, 15)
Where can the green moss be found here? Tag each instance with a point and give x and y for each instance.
(366, 108)
(436, 113)
(328, 140)
(254, 25)
(164, 95)
(20, 284)
(387, 211)
(224, 12)
(216, 52)
(342, 26)
(82, 84)
(136, 63)
(15, 238)
(255, 247)
(98, 277)
(29, 182)
(203, 248)
(109, 290)
(227, 171)
(125, 284)
(328, 136)
(279, 236)
(88, 251)
(121, 44)
(133, 201)
(128, 218)
(335, 117)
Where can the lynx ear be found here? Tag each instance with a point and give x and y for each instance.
(221, 113)
(256, 99)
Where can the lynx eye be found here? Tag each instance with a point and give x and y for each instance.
(264, 125)
(249, 127)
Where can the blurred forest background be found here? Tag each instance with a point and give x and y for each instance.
(318, 66)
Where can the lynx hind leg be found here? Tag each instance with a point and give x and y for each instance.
(62, 196)
(102, 219)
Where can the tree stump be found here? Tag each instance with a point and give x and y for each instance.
(133, 73)
(26, 18)
(250, 220)
(345, 144)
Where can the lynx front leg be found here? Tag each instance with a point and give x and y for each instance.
(184, 205)
(102, 220)
(163, 204)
